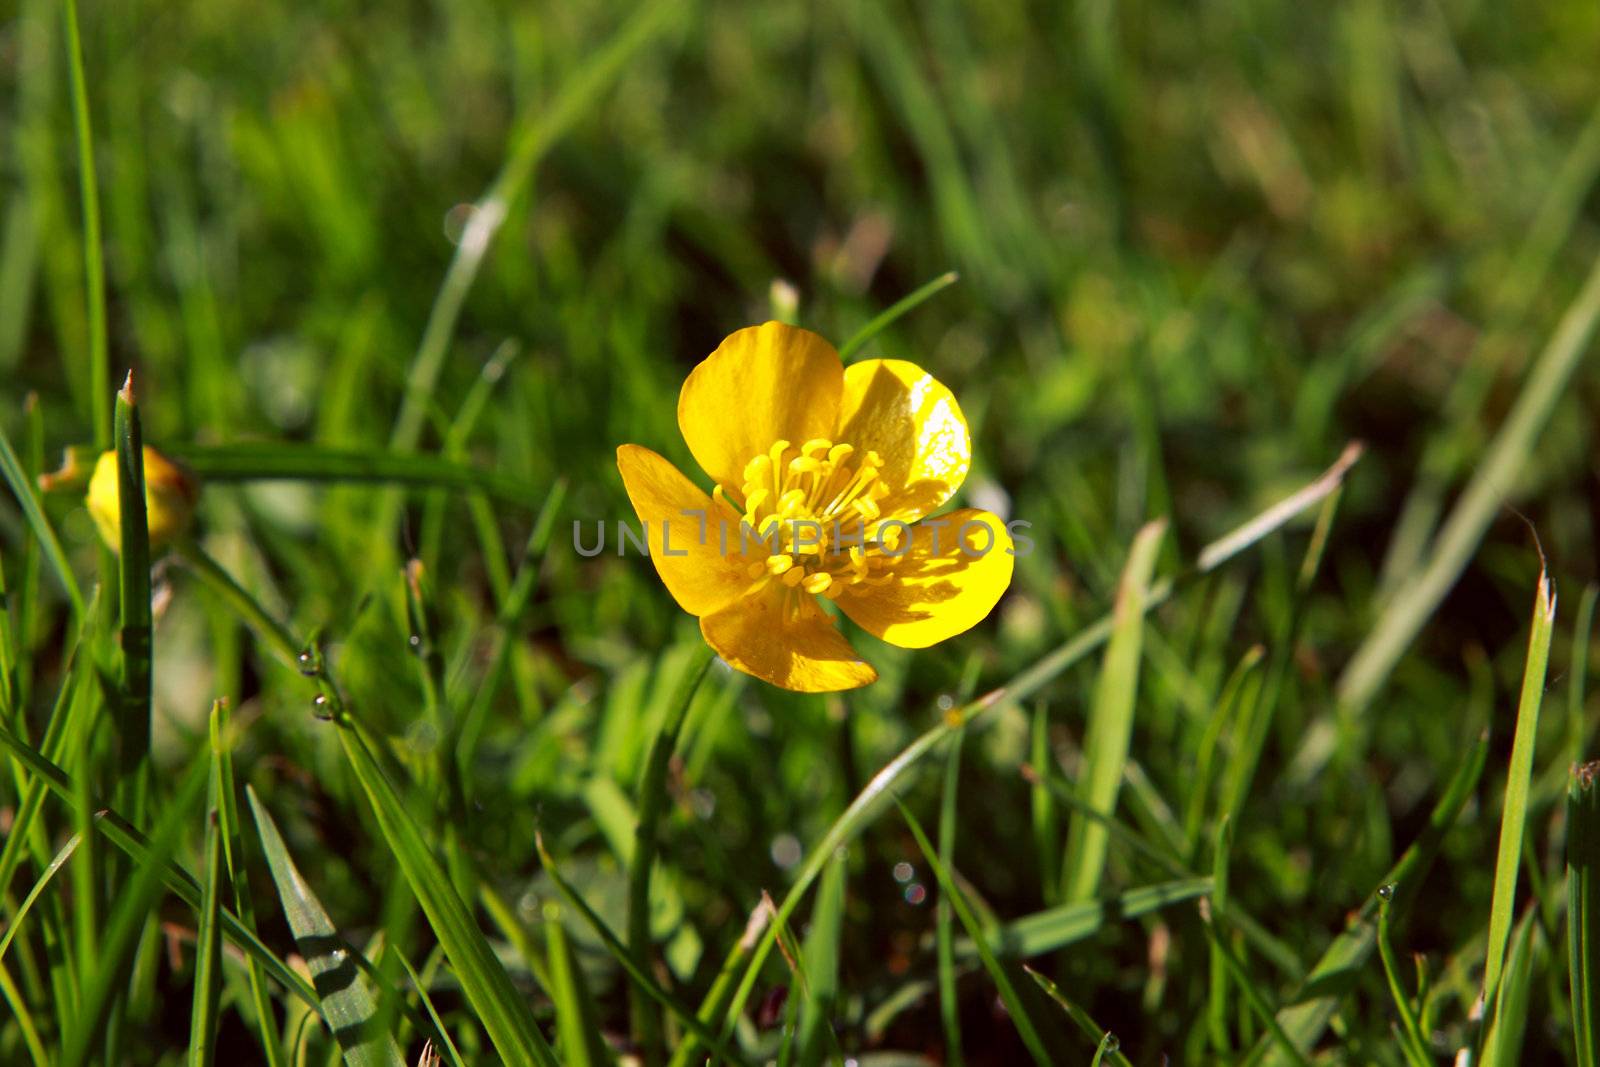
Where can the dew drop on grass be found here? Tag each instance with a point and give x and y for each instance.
(1111, 1042)
(319, 707)
(414, 641)
(309, 663)
(1386, 892)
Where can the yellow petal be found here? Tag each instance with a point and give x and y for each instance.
(933, 595)
(805, 652)
(913, 422)
(762, 384)
(698, 574)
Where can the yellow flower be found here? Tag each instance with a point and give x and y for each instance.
(169, 498)
(822, 474)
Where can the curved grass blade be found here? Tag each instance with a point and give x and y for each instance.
(503, 1012)
(93, 254)
(1106, 1043)
(349, 1004)
(1502, 1045)
(944, 912)
(22, 488)
(49, 872)
(1008, 993)
(884, 319)
(427, 1004)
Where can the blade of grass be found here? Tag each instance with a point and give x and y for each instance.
(427, 1003)
(1110, 728)
(48, 873)
(1008, 993)
(886, 318)
(1412, 1044)
(1519, 774)
(944, 912)
(1493, 482)
(208, 944)
(1502, 1044)
(1066, 924)
(1253, 996)
(27, 495)
(576, 1037)
(652, 800)
(821, 949)
(233, 861)
(134, 559)
(289, 461)
(1583, 911)
(349, 1003)
(1106, 1043)
(483, 978)
(1217, 1003)
(874, 798)
(93, 254)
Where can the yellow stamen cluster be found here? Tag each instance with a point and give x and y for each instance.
(817, 508)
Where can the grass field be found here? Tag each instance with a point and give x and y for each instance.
(391, 771)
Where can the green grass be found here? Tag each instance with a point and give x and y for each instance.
(395, 283)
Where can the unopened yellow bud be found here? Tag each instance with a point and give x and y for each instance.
(169, 499)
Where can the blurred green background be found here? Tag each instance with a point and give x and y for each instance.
(1201, 248)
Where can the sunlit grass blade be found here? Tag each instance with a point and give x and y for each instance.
(1519, 774)
(1110, 729)
(944, 911)
(652, 800)
(641, 978)
(1309, 1010)
(135, 904)
(1502, 1044)
(16, 477)
(503, 1012)
(48, 873)
(886, 318)
(349, 1003)
(290, 461)
(879, 792)
(208, 941)
(1107, 1045)
(1482, 499)
(1067, 924)
(1583, 911)
(134, 562)
(997, 973)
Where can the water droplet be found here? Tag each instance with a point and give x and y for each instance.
(414, 641)
(786, 850)
(1386, 892)
(1111, 1043)
(320, 708)
(903, 872)
(310, 663)
(915, 894)
(946, 702)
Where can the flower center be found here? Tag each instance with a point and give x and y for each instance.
(816, 507)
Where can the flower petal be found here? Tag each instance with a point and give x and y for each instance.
(911, 420)
(936, 591)
(805, 652)
(762, 384)
(700, 576)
